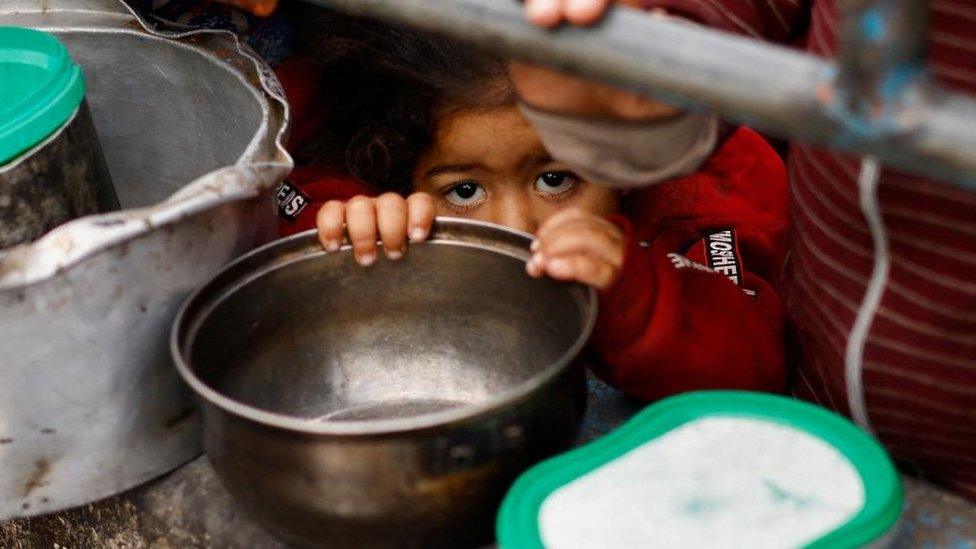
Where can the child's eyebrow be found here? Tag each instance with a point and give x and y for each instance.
(525, 162)
(532, 160)
(453, 168)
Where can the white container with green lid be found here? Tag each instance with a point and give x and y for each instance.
(711, 469)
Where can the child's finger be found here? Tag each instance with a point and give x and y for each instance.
(585, 269)
(361, 226)
(420, 216)
(557, 221)
(535, 267)
(585, 12)
(584, 238)
(559, 218)
(329, 222)
(391, 219)
(545, 13)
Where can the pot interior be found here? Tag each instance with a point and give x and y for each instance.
(323, 338)
(166, 112)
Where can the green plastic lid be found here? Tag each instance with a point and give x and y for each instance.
(40, 89)
(868, 519)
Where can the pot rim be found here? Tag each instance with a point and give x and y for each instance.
(446, 231)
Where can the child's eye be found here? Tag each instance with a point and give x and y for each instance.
(465, 193)
(556, 183)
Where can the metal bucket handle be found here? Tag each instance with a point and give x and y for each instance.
(264, 162)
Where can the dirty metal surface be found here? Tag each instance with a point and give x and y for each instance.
(62, 178)
(191, 127)
(190, 508)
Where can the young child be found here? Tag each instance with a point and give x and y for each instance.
(410, 126)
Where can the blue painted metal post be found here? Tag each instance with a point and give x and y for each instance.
(882, 55)
(882, 86)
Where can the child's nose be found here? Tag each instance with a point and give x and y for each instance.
(516, 214)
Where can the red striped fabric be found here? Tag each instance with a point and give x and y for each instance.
(919, 364)
(920, 357)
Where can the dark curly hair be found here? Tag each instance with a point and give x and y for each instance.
(386, 89)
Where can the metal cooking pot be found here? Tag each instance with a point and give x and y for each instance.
(390, 405)
(191, 127)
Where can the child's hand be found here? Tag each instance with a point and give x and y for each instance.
(261, 8)
(554, 91)
(549, 13)
(389, 217)
(580, 246)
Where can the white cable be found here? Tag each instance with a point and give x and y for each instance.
(867, 183)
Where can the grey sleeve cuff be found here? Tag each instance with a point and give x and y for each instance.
(626, 154)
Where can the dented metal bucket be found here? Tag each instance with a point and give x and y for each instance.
(191, 127)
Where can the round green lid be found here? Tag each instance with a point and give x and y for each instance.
(518, 519)
(40, 89)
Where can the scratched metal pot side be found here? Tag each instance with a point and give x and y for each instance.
(191, 127)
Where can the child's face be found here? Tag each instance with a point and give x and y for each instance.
(491, 165)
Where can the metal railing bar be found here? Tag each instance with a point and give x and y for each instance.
(782, 91)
